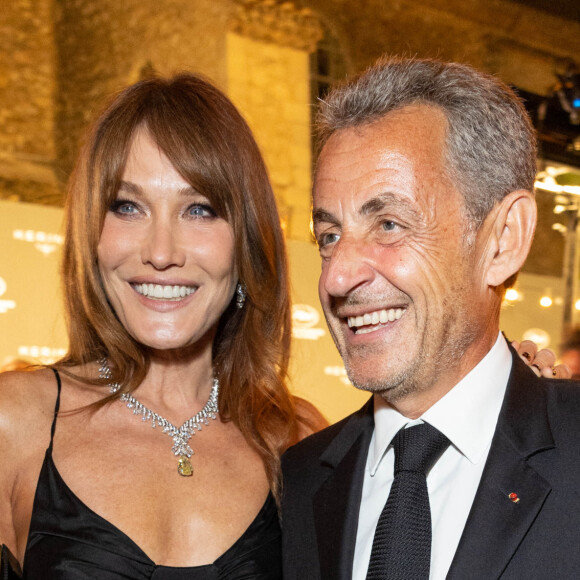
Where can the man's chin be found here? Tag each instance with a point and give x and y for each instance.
(392, 384)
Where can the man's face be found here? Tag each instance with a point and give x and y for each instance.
(399, 283)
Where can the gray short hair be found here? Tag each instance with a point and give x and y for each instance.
(491, 143)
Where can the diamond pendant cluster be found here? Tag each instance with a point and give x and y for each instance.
(180, 435)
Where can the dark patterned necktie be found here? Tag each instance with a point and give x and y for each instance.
(402, 543)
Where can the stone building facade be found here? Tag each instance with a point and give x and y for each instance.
(60, 59)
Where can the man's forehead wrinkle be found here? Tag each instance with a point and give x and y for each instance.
(393, 164)
(388, 169)
(393, 159)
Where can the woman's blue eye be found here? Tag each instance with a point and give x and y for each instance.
(201, 210)
(389, 226)
(123, 207)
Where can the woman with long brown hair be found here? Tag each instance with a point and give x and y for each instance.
(178, 312)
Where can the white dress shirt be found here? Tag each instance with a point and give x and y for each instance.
(467, 415)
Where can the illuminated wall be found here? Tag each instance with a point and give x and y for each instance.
(31, 324)
(269, 85)
(524, 317)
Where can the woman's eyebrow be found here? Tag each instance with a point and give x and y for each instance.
(130, 187)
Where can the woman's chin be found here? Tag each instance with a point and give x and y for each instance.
(172, 341)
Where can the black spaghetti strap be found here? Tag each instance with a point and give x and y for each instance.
(56, 406)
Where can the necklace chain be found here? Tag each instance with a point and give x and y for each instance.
(180, 435)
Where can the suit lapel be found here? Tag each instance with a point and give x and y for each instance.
(336, 502)
(497, 524)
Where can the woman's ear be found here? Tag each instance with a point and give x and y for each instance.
(509, 230)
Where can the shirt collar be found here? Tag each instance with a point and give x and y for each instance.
(466, 415)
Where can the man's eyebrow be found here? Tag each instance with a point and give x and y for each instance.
(321, 215)
(378, 203)
(387, 199)
(374, 205)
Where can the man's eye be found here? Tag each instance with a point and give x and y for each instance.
(389, 226)
(326, 239)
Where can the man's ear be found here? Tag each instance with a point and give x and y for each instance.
(509, 231)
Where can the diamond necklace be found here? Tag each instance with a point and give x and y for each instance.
(181, 435)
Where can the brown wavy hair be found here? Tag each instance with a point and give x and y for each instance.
(211, 146)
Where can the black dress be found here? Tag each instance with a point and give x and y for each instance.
(68, 541)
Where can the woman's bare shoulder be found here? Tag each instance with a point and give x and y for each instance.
(310, 419)
(26, 398)
(17, 387)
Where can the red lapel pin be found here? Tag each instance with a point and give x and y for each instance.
(514, 497)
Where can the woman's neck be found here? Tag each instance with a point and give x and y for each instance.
(177, 381)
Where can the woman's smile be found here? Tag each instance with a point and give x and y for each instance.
(164, 292)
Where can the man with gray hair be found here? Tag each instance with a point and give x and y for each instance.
(462, 465)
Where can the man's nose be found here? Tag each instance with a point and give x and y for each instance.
(162, 247)
(347, 268)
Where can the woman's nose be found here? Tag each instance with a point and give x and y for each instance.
(162, 247)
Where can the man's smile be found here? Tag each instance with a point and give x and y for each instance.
(371, 321)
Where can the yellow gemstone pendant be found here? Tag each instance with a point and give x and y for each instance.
(184, 467)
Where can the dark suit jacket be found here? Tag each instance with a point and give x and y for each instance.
(535, 452)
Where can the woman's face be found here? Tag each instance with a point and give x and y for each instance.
(166, 259)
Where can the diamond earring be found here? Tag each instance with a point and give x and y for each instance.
(240, 295)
